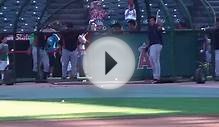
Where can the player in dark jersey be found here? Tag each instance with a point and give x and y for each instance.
(38, 40)
(69, 43)
(156, 44)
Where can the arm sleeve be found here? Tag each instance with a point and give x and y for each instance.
(126, 12)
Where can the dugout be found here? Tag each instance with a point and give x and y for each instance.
(215, 36)
(179, 57)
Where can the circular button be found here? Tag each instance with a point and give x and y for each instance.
(109, 63)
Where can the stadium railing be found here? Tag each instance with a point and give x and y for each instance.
(211, 12)
(186, 12)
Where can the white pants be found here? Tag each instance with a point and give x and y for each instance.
(68, 56)
(154, 53)
(3, 65)
(44, 59)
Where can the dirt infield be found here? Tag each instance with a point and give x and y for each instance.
(136, 122)
(48, 91)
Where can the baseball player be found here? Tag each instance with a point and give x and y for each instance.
(84, 41)
(69, 44)
(156, 45)
(52, 47)
(4, 61)
(38, 42)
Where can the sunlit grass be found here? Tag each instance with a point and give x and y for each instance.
(101, 108)
(47, 110)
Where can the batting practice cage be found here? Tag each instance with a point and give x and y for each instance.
(187, 34)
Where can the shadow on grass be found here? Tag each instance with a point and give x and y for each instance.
(84, 116)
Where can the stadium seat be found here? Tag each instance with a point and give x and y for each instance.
(215, 6)
(199, 13)
(77, 12)
(30, 15)
(143, 14)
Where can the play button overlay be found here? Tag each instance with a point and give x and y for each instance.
(109, 63)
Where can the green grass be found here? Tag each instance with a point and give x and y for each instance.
(102, 108)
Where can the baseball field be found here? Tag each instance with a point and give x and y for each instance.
(76, 110)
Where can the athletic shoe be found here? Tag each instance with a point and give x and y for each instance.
(155, 81)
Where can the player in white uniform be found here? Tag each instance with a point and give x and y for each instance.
(4, 61)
